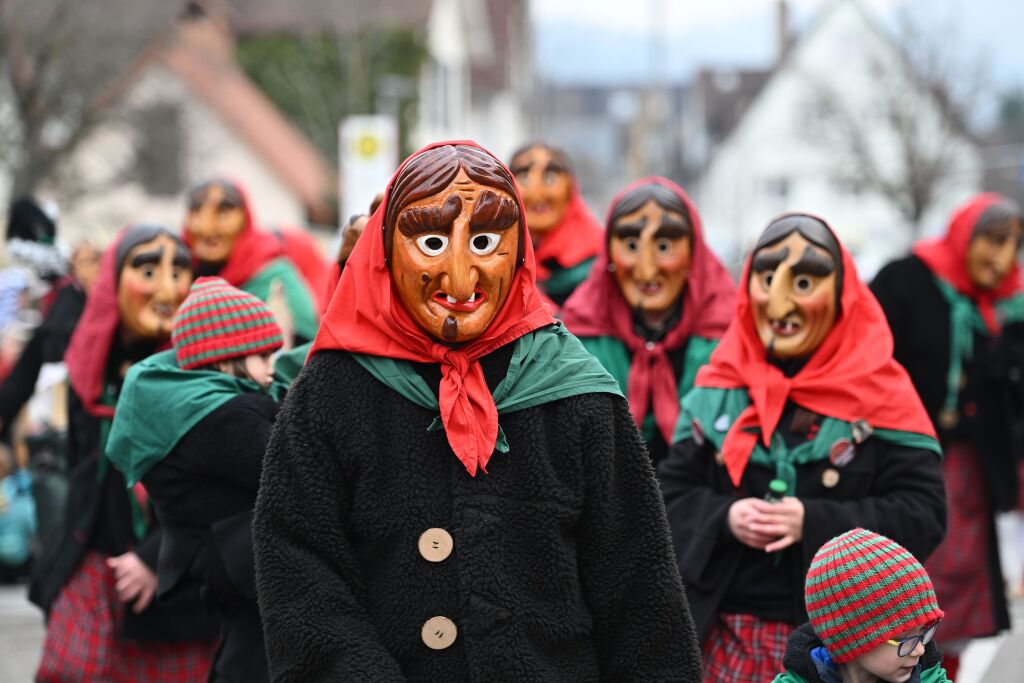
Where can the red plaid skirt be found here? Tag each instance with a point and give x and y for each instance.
(744, 649)
(959, 566)
(82, 643)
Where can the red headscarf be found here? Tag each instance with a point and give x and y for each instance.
(577, 237)
(851, 376)
(366, 316)
(597, 308)
(93, 339)
(946, 257)
(253, 248)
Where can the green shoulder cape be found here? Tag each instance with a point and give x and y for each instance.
(159, 404)
(295, 290)
(547, 364)
(707, 413)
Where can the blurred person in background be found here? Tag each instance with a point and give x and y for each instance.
(802, 389)
(225, 240)
(201, 456)
(446, 444)
(956, 309)
(96, 579)
(17, 518)
(566, 236)
(655, 304)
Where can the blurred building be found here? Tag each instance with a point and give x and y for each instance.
(185, 112)
(826, 114)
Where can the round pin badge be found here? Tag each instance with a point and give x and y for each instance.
(829, 478)
(841, 453)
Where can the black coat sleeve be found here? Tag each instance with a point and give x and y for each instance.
(309, 584)
(642, 624)
(907, 502)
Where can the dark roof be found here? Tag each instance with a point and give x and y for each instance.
(726, 95)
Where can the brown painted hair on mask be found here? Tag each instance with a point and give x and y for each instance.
(996, 216)
(557, 155)
(197, 194)
(432, 171)
(140, 233)
(639, 196)
(814, 231)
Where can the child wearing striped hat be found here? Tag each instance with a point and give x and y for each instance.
(195, 424)
(873, 616)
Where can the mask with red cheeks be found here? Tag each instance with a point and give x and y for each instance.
(650, 249)
(216, 217)
(793, 296)
(153, 281)
(993, 248)
(545, 183)
(453, 256)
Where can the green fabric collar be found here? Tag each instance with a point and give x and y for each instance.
(707, 413)
(140, 436)
(964, 322)
(547, 364)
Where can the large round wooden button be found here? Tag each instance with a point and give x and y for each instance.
(438, 633)
(829, 478)
(435, 545)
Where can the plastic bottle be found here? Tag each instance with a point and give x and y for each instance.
(777, 490)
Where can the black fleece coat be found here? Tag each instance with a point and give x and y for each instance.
(204, 492)
(893, 490)
(802, 641)
(562, 568)
(990, 404)
(97, 516)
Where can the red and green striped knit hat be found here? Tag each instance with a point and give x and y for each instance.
(862, 589)
(219, 322)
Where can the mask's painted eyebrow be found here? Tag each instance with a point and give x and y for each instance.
(182, 257)
(814, 263)
(424, 219)
(769, 260)
(144, 258)
(492, 212)
(632, 229)
(555, 167)
(672, 228)
(519, 169)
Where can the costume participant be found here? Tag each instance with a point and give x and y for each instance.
(873, 613)
(96, 580)
(655, 304)
(956, 310)
(566, 236)
(802, 388)
(200, 457)
(226, 242)
(453, 482)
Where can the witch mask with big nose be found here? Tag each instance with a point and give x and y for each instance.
(793, 292)
(453, 257)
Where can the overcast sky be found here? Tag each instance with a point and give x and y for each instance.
(608, 41)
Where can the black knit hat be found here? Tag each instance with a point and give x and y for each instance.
(27, 221)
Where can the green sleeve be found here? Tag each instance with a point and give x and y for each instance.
(563, 281)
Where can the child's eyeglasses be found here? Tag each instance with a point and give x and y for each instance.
(905, 646)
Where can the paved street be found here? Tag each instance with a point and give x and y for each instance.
(994, 660)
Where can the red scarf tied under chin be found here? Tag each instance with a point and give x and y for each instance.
(366, 316)
(851, 376)
(597, 308)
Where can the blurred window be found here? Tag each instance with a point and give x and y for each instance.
(159, 153)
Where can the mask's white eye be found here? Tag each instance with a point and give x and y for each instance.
(663, 246)
(803, 284)
(632, 244)
(432, 245)
(483, 243)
